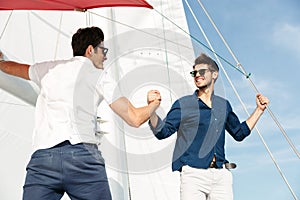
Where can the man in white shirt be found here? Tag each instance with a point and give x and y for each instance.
(66, 157)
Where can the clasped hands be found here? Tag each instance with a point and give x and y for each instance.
(153, 96)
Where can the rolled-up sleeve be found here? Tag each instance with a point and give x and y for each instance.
(157, 130)
(169, 125)
(236, 129)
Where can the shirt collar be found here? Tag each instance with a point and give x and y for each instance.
(196, 94)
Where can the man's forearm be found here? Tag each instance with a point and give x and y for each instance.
(154, 120)
(131, 115)
(138, 116)
(252, 120)
(15, 69)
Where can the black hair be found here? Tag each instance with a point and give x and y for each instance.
(204, 59)
(85, 37)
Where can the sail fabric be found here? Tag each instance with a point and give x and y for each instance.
(68, 4)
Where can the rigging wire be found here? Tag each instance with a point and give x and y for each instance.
(241, 101)
(251, 82)
(140, 30)
(10, 14)
(31, 38)
(112, 16)
(169, 79)
(15, 104)
(58, 35)
(49, 24)
(166, 52)
(196, 39)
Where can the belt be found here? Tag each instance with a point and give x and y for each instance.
(227, 165)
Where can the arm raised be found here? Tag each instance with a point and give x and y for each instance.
(261, 104)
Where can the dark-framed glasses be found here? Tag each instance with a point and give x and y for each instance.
(200, 71)
(104, 50)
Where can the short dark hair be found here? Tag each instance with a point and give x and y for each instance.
(204, 59)
(85, 37)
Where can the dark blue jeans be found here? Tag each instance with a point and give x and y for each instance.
(78, 170)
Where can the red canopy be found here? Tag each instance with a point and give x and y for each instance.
(68, 4)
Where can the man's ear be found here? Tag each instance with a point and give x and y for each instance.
(215, 75)
(89, 51)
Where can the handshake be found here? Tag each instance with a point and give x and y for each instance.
(153, 96)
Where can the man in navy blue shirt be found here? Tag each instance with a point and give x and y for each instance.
(200, 121)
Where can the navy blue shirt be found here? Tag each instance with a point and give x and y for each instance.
(200, 130)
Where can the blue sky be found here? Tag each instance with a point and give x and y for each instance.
(265, 37)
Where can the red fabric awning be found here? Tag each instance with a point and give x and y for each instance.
(68, 4)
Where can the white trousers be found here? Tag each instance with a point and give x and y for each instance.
(205, 184)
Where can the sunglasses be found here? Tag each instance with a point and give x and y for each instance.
(104, 50)
(200, 71)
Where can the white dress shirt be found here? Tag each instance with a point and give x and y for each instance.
(66, 108)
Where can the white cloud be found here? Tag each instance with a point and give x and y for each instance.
(288, 36)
